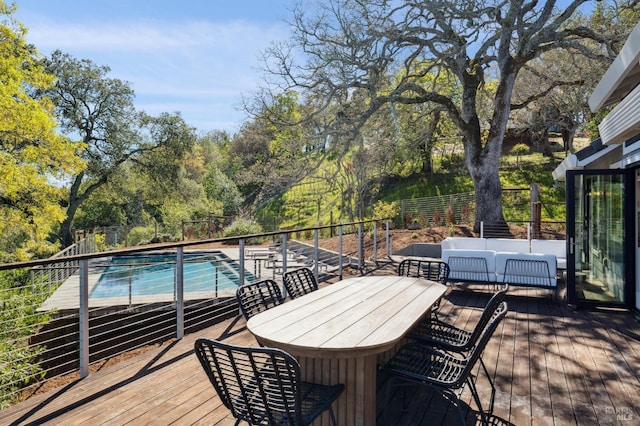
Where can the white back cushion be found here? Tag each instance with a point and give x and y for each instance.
(464, 243)
(508, 244)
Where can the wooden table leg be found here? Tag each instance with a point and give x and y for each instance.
(357, 404)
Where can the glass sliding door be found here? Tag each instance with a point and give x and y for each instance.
(598, 209)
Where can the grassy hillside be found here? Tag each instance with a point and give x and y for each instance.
(318, 198)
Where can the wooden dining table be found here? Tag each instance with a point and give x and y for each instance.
(341, 332)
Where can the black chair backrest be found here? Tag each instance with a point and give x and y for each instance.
(433, 270)
(488, 331)
(258, 296)
(490, 311)
(259, 385)
(299, 282)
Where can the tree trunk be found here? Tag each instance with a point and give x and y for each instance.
(483, 163)
(567, 140)
(75, 199)
(429, 143)
(483, 160)
(488, 192)
(66, 237)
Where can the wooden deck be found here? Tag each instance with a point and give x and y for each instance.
(551, 365)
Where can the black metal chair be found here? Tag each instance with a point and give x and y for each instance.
(447, 336)
(434, 332)
(434, 270)
(262, 386)
(299, 282)
(258, 296)
(443, 371)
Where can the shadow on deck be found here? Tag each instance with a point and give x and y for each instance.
(551, 365)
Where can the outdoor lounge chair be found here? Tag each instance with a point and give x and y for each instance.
(262, 386)
(258, 296)
(442, 371)
(299, 282)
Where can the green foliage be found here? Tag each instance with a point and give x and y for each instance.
(140, 235)
(100, 240)
(19, 318)
(385, 210)
(518, 150)
(32, 154)
(95, 212)
(299, 208)
(115, 139)
(219, 187)
(243, 227)
(173, 214)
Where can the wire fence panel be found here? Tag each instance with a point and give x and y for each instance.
(460, 208)
(438, 210)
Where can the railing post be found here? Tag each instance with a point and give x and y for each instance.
(315, 253)
(241, 261)
(340, 252)
(130, 286)
(284, 261)
(179, 293)
(83, 318)
(388, 238)
(481, 229)
(375, 242)
(360, 247)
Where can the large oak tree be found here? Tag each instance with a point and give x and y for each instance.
(344, 50)
(99, 111)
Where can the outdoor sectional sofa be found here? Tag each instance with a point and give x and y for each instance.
(500, 260)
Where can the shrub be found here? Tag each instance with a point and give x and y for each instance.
(140, 235)
(467, 213)
(408, 219)
(242, 227)
(436, 219)
(450, 216)
(383, 210)
(518, 150)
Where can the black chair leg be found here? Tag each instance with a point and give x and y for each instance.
(493, 387)
(333, 416)
(476, 397)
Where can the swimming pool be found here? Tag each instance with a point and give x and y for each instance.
(154, 273)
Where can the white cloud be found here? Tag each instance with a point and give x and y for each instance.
(197, 67)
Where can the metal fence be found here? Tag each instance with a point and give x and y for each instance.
(445, 210)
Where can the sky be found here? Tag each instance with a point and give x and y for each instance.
(196, 57)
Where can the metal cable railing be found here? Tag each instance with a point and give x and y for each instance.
(80, 309)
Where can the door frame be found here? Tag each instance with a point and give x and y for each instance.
(630, 235)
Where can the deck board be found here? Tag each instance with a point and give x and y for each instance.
(551, 365)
